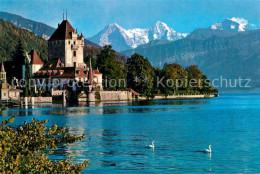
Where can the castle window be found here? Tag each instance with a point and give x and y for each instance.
(69, 42)
(74, 42)
(74, 53)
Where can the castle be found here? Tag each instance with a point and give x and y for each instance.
(66, 73)
(66, 64)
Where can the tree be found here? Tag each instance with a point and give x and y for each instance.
(93, 60)
(28, 76)
(26, 149)
(157, 88)
(113, 70)
(198, 81)
(140, 74)
(15, 65)
(174, 77)
(194, 77)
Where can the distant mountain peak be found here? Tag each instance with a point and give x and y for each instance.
(159, 23)
(122, 39)
(239, 20)
(233, 24)
(114, 25)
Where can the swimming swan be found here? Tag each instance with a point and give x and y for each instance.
(152, 145)
(208, 150)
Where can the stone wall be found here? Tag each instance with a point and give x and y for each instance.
(7, 94)
(39, 99)
(115, 95)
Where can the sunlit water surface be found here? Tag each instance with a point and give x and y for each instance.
(118, 134)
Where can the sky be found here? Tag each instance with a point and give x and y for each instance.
(91, 16)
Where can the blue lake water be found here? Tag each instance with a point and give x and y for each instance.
(118, 133)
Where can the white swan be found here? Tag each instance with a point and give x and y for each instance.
(152, 145)
(208, 150)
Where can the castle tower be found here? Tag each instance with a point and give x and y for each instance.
(3, 73)
(66, 44)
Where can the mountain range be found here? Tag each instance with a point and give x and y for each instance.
(229, 54)
(122, 39)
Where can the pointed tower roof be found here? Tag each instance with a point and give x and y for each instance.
(2, 67)
(63, 31)
(90, 73)
(35, 58)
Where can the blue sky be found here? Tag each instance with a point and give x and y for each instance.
(90, 16)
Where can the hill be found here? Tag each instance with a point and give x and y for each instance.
(10, 35)
(40, 29)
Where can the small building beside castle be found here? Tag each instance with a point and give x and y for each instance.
(34, 61)
(8, 92)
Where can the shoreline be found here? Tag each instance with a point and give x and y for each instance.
(178, 97)
(172, 97)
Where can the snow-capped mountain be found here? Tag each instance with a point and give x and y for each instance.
(122, 39)
(233, 24)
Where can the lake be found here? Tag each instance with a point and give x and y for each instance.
(118, 134)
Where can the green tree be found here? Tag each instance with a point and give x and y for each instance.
(26, 149)
(28, 76)
(93, 60)
(198, 81)
(15, 65)
(140, 75)
(113, 70)
(174, 77)
(194, 77)
(158, 89)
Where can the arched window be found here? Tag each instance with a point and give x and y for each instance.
(74, 53)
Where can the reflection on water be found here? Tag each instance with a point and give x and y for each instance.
(118, 134)
(116, 107)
